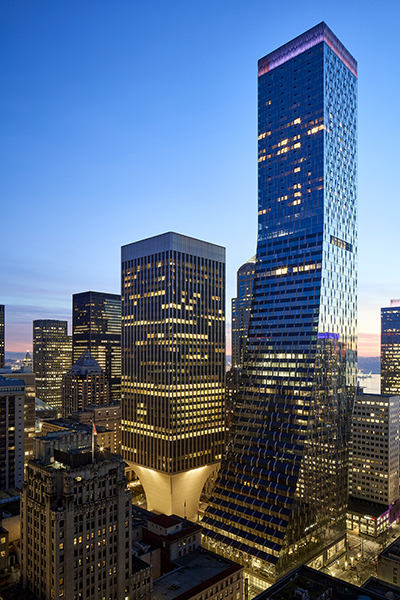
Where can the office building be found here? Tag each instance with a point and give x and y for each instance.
(374, 464)
(281, 496)
(241, 306)
(84, 385)
(390, 348)
(12, 400)
(96, 325)
(29, 380)
(173, 367)
(76, 509)
(52, 357)
(2, 336)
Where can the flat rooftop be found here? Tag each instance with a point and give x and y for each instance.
(199, 570)
(316, 583)
(371, 509)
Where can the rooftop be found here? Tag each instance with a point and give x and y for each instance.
(315, 583)
(371, 509)
(164, 521)
(197, 571)
(85, 362)
(173, 241)
(302, 43)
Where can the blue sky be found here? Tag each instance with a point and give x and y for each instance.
(124, 119)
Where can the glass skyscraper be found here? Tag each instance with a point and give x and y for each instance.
(241, 306)
(281, 495)
(96, 327)
(390, 349)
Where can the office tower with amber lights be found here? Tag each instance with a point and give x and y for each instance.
(52, 357)
(374, 464)
(173, 367)
(2, 336)
(76, 530)
(241, 306)
(12, 400)
(96, 327)
(281, 496)
(390, 348)
(84, 385)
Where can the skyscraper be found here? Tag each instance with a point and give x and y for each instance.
(52, 357)
(2, 344)
(84, 385)
(12, 399)
(390, 348)
(241, 306)
(173, 367)
(96, 326)
(281, 495)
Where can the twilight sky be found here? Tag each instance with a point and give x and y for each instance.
(123, 119)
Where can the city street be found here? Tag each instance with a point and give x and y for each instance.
(361, 560)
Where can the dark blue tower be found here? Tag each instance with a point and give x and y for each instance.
(281, 496)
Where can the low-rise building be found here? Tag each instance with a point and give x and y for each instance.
(181, 567)
(388, 567)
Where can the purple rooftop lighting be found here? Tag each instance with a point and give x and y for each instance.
(309, 39)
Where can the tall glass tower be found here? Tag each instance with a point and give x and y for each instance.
(241, 306)
(281, 495)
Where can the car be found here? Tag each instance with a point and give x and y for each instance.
(394, 535)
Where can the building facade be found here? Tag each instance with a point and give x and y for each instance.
(78, 513)
(173, 367)
(52, 357)
(374, 464)
(241, 306)
(281, 496)
(107, 416)
(390, 348)
(29, 380)
(96, 327)
(2, 336)
(12, 401)
(84, 385)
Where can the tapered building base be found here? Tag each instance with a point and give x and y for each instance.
(177, 494)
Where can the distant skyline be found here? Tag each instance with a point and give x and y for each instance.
(122, 121)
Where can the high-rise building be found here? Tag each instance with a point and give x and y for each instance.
(173, 367)
(96, 327)
(241, 306)
(76, 531)
(2, 343)
(52, 357)
(281, 496)
(390, 348)
(29, 380)
(84, 385)
(12, 399)
(374, 464)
